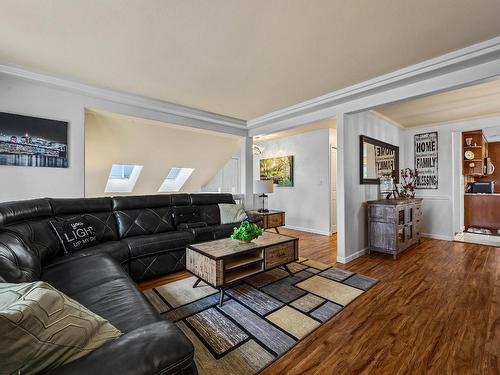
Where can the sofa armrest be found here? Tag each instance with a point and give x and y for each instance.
(158, 348)
(253, 218)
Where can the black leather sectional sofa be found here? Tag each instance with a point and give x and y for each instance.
(140, 237)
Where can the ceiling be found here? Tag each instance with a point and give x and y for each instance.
(325, 124)
(237, 58)
(472, 102)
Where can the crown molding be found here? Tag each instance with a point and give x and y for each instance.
(143, 102)
(469, 56)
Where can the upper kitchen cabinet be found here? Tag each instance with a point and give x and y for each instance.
(474, 153)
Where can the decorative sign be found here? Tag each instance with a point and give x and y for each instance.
(426, 160)
(384, 161)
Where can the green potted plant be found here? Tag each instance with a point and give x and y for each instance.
(246, 232)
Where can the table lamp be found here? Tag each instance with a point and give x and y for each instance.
(263, 187)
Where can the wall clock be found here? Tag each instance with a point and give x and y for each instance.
(469, 155)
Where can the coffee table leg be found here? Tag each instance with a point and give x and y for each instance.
(288, 269)
(221, 296)
(196, 283)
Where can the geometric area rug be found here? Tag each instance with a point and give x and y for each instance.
(261, 318)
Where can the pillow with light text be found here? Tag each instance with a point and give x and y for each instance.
(75, 233)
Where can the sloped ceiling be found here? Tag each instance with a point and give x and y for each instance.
(240, 58)
(116, 139)
(472, 102)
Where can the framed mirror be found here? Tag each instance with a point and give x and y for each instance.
(377, 159)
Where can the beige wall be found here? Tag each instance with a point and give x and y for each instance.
(115, 139)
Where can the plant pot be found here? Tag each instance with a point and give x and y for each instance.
(245, 241)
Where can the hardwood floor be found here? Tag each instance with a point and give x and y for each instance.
(435, 310)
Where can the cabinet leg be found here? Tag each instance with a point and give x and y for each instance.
(394, 256)
(277, 231)
(221, 296)
(288, 269)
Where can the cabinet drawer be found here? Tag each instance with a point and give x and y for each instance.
(382, 213)
(275, 220)
(278, 255)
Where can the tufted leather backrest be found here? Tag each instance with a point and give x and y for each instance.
(146, 214)
(31, 220)
(208, 205)
(18, 263)
(98, 211)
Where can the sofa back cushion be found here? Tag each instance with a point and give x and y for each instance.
(186, 214)
(39, 236)
(98, 212)
(146, 214)
(18, 263)
(208, 204)
(31, 220)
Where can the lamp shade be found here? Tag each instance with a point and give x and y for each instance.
(263, 186)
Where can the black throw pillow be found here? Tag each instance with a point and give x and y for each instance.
(75, 233)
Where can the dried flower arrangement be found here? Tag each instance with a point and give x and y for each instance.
(408, 182)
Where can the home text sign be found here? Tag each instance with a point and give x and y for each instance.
(426, 160)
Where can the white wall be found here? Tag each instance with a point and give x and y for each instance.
(356, 194)
(306, 203)
(443, 207)
(22, 97)
(27, 97)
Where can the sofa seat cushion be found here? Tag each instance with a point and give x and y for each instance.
(116, 249)
(143, 221)
(120, 302)
(141, 246)
(202, 234)
(223, 230)
(75, 274)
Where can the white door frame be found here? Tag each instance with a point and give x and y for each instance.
(331, 148)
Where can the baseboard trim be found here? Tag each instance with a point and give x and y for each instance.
(351, 257)
(302, 229)
(437, 236)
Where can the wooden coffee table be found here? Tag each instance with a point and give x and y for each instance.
(222, 263)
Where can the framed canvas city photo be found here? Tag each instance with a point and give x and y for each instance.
(279, 169)
(27, 141)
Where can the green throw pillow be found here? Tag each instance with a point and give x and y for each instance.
(41, 328)
(232, 213)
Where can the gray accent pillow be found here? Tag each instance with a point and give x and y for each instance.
(232, 213)
(41, 328)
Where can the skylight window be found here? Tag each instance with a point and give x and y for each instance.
(122, 178)
(121, 171)
(175, 180)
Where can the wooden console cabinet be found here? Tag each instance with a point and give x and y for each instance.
(394, 225)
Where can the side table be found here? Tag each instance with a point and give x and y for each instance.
(271, 219)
